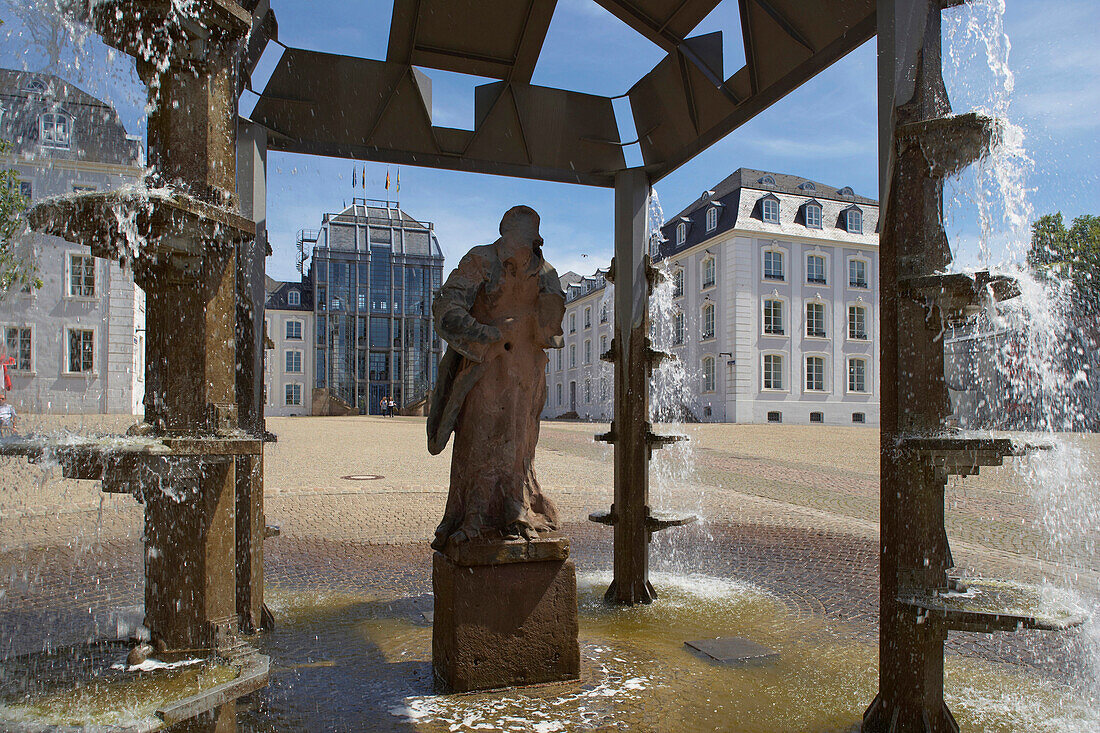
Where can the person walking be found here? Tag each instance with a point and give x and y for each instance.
(392, 406)
(7, 416)
(383, 404)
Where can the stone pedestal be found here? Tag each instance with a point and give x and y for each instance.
(505, 614)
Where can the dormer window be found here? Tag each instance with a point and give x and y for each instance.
(854, 221)
(294, 297)
(846, 191)
(681, 233)
(36, 86)
(712, 218)
(812, 214)
(55, 130)
(807, 186)
(768, 180)
(769, 210)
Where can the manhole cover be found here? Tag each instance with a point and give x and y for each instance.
(362, 477)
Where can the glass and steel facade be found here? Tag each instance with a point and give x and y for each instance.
(375, 271)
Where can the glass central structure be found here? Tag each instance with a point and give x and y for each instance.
(375, 270)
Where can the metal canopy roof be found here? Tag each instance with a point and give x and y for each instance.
(351, 107)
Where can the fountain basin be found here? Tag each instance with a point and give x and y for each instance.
(997, 605)
(951, 143)
(86, 687)
(140, 225)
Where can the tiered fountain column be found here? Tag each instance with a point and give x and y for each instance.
(631, 432)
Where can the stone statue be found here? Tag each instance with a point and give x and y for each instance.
(499, 311)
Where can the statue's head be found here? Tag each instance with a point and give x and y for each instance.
(523, 222)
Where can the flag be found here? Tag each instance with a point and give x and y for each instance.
(354, 171)
(363, 180)
(387, 179)
(398, 180)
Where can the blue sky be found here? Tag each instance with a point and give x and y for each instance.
(825, 130)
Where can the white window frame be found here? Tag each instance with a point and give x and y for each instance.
(587, 391)
(603, 313)
(866, 272)
(824, 373)
(560, 358)
(15, 369)
(573, 322)
(766, 204)
(866, 371)
(301, 329)
(681, 233)
(293, 297)
(286, 361)
(679, 328)
(678, 282)
(603, 345)
(708, 308)
(783, 259)
(712, 218)
(51, 140)
(712, 262)
(710, 378)
(559, 394)
(866, 322)
(572, 356)
(588, 351)
(820, 303)
(67, 351)
(69, 294)
(290, 387)
(782, 316)
(782, 371)
(588, 316)
(824, 282)
(848, 220)
(812, 216)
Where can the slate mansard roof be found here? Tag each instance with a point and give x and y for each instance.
(738, 200)
(278, 296)
(97, 133)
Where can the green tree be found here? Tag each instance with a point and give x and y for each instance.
(14, 268)
(1072, 254)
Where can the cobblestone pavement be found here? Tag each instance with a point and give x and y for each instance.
(794, 509)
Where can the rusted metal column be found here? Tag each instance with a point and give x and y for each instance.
(630, 427)
(914, 552)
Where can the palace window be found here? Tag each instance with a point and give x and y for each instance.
(572, 355)
(815, 320)
(294, 362)
(773, 371)
(815, 269)
(857, 323)
(294, 330)
(56, 130)
(708, 374)
(18, 343)
(712, 218)
(81, 348)
(572, 323)
(773, 265)
(587, 352)
(854, 221)
(678, 329)
(708, 321)
(708, 273)
(81, 276)
(857, 273)
(294, 297)
(773, 317)
(857, 375)
(293, 394)
(681, 233)
(678, 282)
(812, 213)
(815, 374)
(769, 209)
(603, 313)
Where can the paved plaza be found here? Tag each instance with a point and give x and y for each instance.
(791, 509)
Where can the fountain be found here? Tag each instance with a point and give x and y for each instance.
(198, 473)
(920, 603)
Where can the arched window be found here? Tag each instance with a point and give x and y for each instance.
(678, 282)
(588, 317)
(815, 269)
(857, 323)
(35, 85)
(773, 317)
(587, 390)
(681, 233)
(769, 211)
(587, 351)
(773, 372)
(807, 186)
(603, 313)
(857, 374)
(678, 329)
(559, 395)
(294, 297)
(55, 129)
(846, 191)
(813, 216)
(768, 180)
(708, 321)
(708, 273)
(855, 221)
(815, 319)
(708, 373)
(857, 273)
(572, 355)
(815, 374)
(712, 218)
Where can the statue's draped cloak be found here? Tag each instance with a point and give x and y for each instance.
(497, 320)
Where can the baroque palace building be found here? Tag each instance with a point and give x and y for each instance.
(79, 340)
(773, 310)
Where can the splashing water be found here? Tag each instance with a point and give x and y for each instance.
(1039, 357)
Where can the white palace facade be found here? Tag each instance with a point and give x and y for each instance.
(774, 308)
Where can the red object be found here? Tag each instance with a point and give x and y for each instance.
(7, 361)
